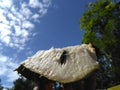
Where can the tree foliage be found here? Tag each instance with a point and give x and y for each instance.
(101, 23)
(23, 84)
(1, 87)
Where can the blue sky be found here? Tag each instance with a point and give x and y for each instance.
(27, 26)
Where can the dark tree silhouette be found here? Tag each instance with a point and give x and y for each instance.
(23, 84)
(1, 87)
(101, 23)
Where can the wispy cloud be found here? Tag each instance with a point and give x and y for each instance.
(6, 68)
(36, 17)
(5, 3)
(17, 23)
(35, 4)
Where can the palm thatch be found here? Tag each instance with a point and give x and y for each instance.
(64, 65)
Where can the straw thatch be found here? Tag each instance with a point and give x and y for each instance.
(64, 65)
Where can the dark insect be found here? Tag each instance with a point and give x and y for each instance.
(63, 58)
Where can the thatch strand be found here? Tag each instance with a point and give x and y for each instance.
(64, 65)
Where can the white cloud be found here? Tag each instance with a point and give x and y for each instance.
(6, 39)
(17, 23)
(26, 12)
(4, 34)
(24, 5)
(4, 31)
(25, 33)
(36, 17)
(27, 24)
(47, 3)
(6, 68)
(4, 26)
(42, 6)
(14, 21)
(43, 11)
(12, 77)
(35, 4)
(3, 70)
(11, 16)
(17, 30)
(6, 3)
(2, 18)
(16, 13)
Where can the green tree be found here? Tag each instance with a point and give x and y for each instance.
(23, 84)
(101, 23)
(1, 87)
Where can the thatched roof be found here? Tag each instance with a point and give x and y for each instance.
(64, 65)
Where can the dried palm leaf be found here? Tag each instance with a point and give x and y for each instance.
(64, 65)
